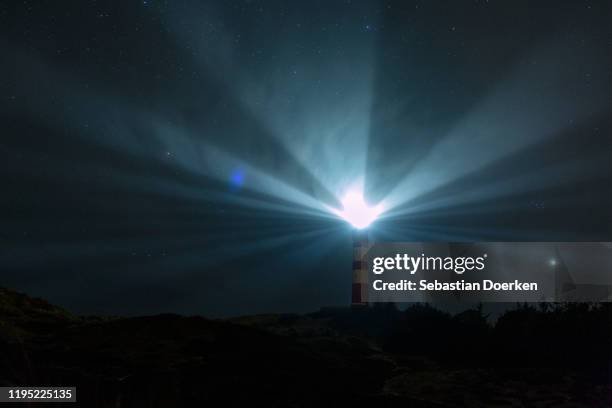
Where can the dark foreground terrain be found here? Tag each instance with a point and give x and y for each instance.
(544, 356)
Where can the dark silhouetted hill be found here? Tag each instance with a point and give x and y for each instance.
(373, 356)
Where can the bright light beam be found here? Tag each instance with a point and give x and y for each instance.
(535, 103)
(318, 110)
(356, 211)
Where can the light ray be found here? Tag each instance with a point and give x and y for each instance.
(537, 102)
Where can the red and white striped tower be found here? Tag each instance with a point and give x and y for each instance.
(360, 267)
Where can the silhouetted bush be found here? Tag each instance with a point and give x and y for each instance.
(573, 335)
(420, 329)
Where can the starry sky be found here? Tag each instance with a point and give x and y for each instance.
(181, 156)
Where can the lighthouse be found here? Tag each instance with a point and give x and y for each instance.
(360, 268)
(359, 215)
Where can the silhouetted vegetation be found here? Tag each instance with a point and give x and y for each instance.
(553, 335)
(532, 355)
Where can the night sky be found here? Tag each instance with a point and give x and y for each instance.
(170, 156)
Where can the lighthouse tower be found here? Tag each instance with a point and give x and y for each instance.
(360, 267)
(360, 215)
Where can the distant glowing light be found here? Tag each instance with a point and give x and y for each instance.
(237, 178)
(552, 262)
(356, 211)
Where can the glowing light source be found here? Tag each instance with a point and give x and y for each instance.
(356, 211)
(237, 178)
